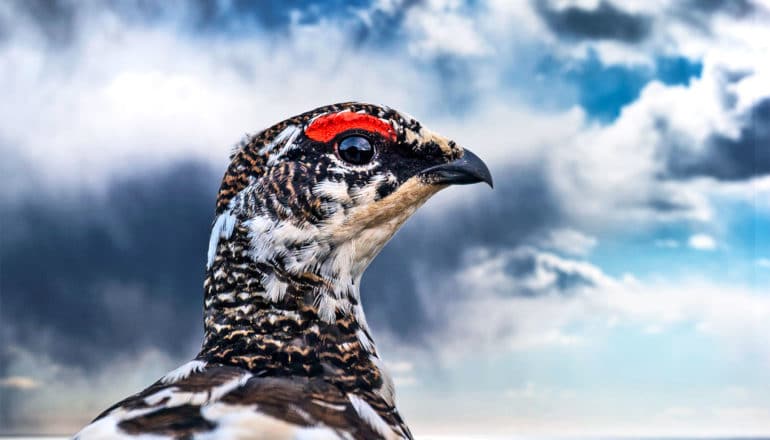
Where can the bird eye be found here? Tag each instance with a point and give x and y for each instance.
(356, 150)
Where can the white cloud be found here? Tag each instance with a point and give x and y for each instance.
(622, 177)
(763, 263)
(405, 381)
(754, 416)
(137, 97)
(680, 30)
(569, 241)
(525, 298)
(67, 398)
(438, 29)
(702, 242)
(754, 192)
(403, 373)
(19, 383)
(515, 300)
(400, 367)
(611, 174)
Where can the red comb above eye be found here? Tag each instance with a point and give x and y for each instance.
(325, 128)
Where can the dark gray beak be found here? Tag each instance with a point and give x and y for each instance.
(465, 170)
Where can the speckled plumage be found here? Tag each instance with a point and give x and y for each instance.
(287, 352)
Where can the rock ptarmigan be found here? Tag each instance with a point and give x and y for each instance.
(303, 209)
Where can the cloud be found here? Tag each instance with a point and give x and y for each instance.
(439, 31)
(204, 93)
(561, 302)
(680, 132)
(19, 383)
(764, 263)
(58, 19)
(736, 8)
(621, 84)
(605, 21)
(131, 255)
(702, 242)
(729, 157)
(66, 397)
(405, 381)
(569, 241)
(400, 367)
(691, 30)
(403, 373)
(518, 298)
(751, 192)
(743, 414)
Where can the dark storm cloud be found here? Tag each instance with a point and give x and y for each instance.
(734, 8)
(7, 396)
(605, 22)
(383, 27)
(726, 158)
(269, 14)
(59, 20)
(87, 278)
(54, 18)
(663, 203)
(699, 14)
(524, 264)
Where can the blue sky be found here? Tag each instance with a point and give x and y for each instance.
(617, 281)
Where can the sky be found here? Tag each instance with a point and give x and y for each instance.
(615, 282)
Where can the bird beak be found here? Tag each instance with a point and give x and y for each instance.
(465, 170)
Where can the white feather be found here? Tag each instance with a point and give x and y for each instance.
(285, 140)
(172, 396)
(223, 228)
(370, 416)
(243, 422)
(106, 428)
(183, 371)
(364, 340)
(327, 308)
(283, 135)
(337, 191)
(275, 289)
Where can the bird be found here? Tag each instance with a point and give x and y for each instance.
(303, 208)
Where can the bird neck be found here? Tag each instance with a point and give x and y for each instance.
(268, 318)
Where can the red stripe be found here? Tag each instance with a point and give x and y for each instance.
(325, 128)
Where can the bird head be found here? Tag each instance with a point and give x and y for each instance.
(318, 195)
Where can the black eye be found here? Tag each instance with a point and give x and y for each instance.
(356, 150)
